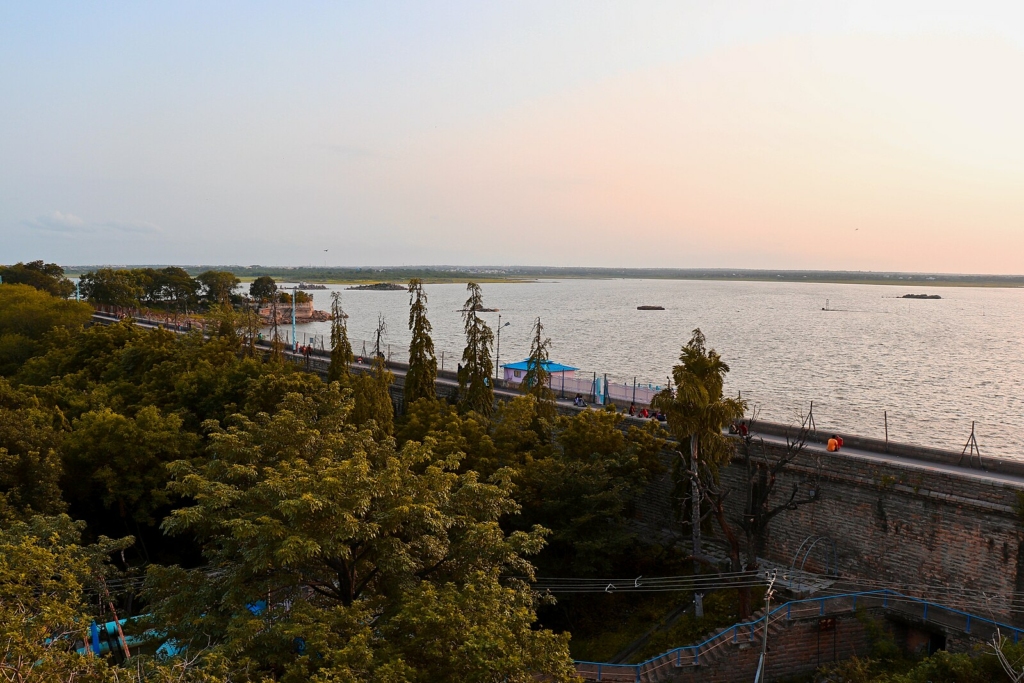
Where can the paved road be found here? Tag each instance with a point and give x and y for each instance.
(914, 463)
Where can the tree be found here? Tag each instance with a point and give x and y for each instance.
(422, 374)
(30, 467)
(584, 489)
(218, 285)
(263, 289)
(384, 562)
(372, 390)
(697, 413)
(341, 349)
(29, 323)
(48, 277)
(537, 381)
(112, 287)
(44, 573)
(474, 379)
(120, 461)
(174, 286)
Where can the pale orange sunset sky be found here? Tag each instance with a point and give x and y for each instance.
(873, 136)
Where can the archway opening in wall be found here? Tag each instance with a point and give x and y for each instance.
(936, 642)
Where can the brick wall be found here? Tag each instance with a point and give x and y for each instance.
(797, 648)
(891, 522)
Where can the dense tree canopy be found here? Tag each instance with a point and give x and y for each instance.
(263, 288)
(48, 277)
(218, 286)
(31, 321)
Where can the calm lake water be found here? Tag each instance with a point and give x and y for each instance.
(933, 365)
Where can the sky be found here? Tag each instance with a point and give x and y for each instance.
(822, 135)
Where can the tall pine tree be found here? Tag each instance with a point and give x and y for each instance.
(474, 378)
(537, 381)
(341, 349)
(419, 381)
(371, 390)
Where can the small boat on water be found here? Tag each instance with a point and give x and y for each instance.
(650, 308)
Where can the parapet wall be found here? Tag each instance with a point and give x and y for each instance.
(931, 531)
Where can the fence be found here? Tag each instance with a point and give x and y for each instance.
(750, 631)
(596, 387)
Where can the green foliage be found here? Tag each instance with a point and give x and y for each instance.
(29, 321)
(475, 378)
(422, 374)
(697, 409)
(385, 560)
(218, 286)
(584, 491)
(30, 467)
(579, 478)
(44, 572)
(341, 348)
(373, 398)
(537, 381)
(120, 461)
(113, 287)
(263, 289)
(47, 277)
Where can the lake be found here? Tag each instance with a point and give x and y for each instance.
(933, 365)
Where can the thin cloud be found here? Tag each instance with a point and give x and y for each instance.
(70, 224)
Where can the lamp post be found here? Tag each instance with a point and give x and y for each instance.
(295, 300)
(497, 353)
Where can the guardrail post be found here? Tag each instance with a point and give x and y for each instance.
(1016, 633)
(598, 672)
(854, 603)
(822, 609)
(789, 606)
(679, 658)
(925, 616)
(637, 673)
(734, 633)
(885, 599)
(968, 629)
(696, 656)
(751, 633)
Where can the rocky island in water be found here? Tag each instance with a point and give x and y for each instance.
(381, 287)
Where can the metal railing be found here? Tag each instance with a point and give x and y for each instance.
(749, 631)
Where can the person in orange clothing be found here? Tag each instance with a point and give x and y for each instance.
(833, 444)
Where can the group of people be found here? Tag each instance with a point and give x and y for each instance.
(834, 443)
(739, 428)
(646, 414)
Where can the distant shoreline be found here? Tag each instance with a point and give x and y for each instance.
(521, 274)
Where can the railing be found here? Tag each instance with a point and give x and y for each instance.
(886, 599)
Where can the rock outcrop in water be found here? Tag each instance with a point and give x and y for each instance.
(921, 296)
(380, 287)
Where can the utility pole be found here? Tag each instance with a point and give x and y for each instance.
(759, 677)
(295, 300)
(695, 498)
(497, 353)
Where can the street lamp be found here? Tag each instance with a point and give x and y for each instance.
(497, 353)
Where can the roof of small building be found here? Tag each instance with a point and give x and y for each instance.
(549, 366)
